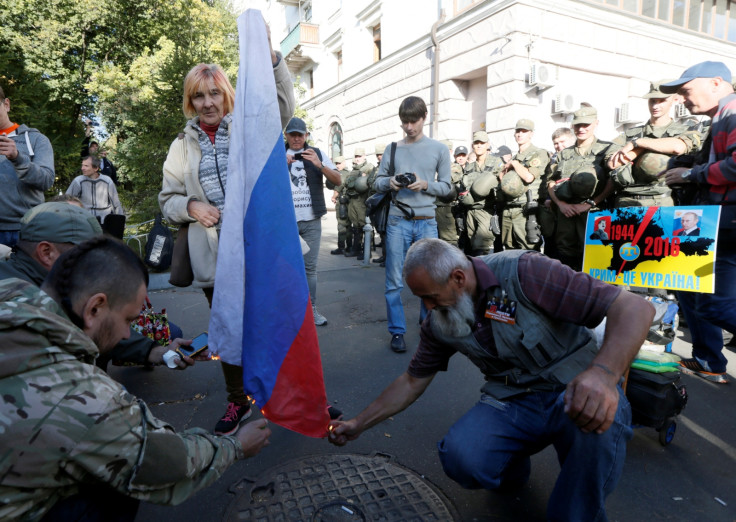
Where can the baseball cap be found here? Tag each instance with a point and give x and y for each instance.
(296, 125)
(655, 91)
(585, 115)
(461, 150)
(503, 150)
(700, 70)
(339, 159)
(59, 223)
(480, 136)
(360, 151)
(380, 147)
(525, 124)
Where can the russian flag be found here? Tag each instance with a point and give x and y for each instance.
(261, 311)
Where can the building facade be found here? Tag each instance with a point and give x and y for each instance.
(485, 64)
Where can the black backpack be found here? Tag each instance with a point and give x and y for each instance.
(159, 246)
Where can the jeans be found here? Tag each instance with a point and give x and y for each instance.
(311, 232)
(401, 233)
(490, 446)
(9, 237)
(708, 314)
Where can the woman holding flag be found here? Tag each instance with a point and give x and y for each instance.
(194, 185)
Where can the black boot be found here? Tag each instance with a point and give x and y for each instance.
(339, 250)
(361, 243)
(353, 250)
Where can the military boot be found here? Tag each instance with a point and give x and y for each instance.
(339, 250)
(353, 250)
(361, 243)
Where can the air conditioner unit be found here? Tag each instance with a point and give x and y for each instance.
(625, 114)
(565, 104)
(542, 76)
(681, 111)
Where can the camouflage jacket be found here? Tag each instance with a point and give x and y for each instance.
(536, 161)
(488, 177)
(570, 160)
(64, 422)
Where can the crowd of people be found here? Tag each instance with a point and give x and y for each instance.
(78, 443)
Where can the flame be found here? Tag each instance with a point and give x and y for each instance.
(214, 357)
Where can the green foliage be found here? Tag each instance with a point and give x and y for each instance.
(121, 62)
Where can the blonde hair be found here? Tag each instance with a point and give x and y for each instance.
(196, 81)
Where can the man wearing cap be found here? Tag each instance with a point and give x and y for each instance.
(584, 185)
(411, 215)
(444, 213)
(356, 188)
(340, 200)
(707, 90)
(26, 170)
(46, 232)
(480, 199)
(561, 139)
(520, 180)
(307, 190)
(650, 143)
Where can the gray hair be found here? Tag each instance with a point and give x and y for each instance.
(437, 257)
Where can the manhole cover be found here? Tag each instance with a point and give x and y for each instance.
(339, 488)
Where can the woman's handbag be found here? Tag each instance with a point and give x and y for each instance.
(181, 266)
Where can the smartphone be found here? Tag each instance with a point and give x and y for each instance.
(299, 156)
(199, 343)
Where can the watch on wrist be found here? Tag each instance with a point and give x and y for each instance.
(590, 202)
(687, 174)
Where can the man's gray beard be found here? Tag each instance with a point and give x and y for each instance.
(456, 320)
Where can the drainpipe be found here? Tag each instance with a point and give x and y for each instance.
(436, 75)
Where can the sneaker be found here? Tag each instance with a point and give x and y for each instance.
(397, 343)
(692, 366)
(319, 319)
(235, 414)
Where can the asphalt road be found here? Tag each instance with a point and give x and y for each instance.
(694, 478)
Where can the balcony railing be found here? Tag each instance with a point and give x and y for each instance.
(303, 33)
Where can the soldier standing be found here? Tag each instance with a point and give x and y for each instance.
(583, 186)
(445, 211)
(340, 200)
(480, 181)
(649, 146)
(357, 190)
(520, 180)
(378, 151)
(561, 139)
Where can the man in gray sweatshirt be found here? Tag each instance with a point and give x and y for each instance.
(412, 214)
(26, 170)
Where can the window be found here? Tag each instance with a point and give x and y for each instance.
(335, 141)
(716, 18)
(377, 43)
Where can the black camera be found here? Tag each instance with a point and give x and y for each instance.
(405, 179)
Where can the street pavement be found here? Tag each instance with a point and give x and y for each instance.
(694, 478)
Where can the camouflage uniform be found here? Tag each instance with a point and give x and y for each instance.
(570, 232)
(480, 202)
(356, 206)
(446, 229)
(344, 232)
(546, 216)
(513, 222)
(66, 423)
(629, 193)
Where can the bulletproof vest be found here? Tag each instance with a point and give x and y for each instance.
(535, 354)
(482, 194)
(531, 155)
(570, 162)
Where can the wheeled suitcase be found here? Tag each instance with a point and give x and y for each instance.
(656, 399)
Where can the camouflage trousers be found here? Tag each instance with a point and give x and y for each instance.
(356, 211)
(513, 230)
(446, 229)
(661, 200)
(570, 238)
(478, 225)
